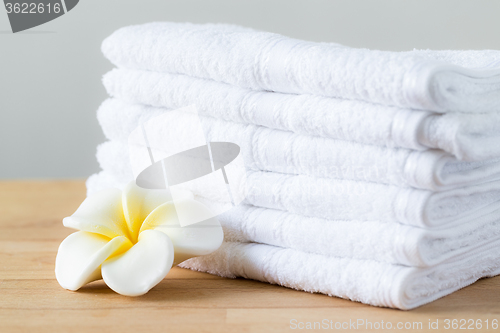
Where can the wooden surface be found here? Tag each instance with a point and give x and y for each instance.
(31, 300)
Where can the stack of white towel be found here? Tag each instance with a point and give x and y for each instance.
(372, 176)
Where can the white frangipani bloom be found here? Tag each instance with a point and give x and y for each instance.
(131, 239)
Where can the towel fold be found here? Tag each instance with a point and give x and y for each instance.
(471, 137)
(364, 281)
(339, 199)
(286, 152)
(374, 240)
(442, 81)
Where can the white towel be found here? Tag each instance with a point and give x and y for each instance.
(471, 137)
(364, 281)
(287, 152)
(375, 240)
(460, 81)
(339, 199)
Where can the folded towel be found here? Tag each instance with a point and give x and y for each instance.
(471, 137)
(375, 240)
(364, 281)
(286, 152)
(460, 81)
(338, 199)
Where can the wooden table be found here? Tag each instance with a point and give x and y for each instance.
(31, 300)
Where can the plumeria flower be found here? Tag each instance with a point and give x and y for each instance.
(131, 239)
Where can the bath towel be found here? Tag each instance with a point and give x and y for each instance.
(365, 281)
(286, 152)
(470, 137)
(374, 240)
(441, 81)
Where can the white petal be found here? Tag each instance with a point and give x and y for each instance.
(81, 254)
(193, 240)
(100, 213)
(138, 203)
(136, 271)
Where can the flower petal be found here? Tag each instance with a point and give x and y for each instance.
(136, 271)
(81, 254)
(138, 203)
(190, 241)
(100, 213)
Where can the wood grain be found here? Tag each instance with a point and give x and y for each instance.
(31, 300)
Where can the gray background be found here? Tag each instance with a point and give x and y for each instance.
(50, 75)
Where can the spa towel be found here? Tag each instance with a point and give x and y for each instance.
(441, 81)
(365, 281)
(374, 240)
(471, 137)
(286, 152)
